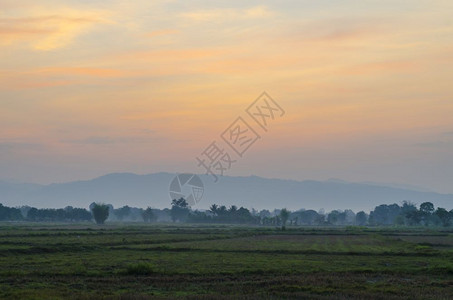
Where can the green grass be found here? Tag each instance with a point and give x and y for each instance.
(58, 261)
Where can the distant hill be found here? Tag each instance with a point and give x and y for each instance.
(120, 189)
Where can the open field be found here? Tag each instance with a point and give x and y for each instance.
(165, 262)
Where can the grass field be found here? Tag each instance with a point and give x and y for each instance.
(204, 262)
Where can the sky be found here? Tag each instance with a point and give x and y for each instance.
(94, 87)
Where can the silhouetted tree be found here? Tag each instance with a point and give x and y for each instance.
(407, 210)
(384, 214)
(213, 209)
(305, 217)
(332, 217)
(148, 215)
(122, 212)
(179, 210)
(349, 217)
(426, 210)
(444, 216)
(414, 217)
(10, 213)
(233, 209)
(100, 212)
(77, 214)
(361, 218)
(427, 207)
(284, 214)
(222, 211)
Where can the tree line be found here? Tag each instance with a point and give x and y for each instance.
(406, 214)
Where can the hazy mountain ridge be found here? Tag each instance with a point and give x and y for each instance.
(252, 191)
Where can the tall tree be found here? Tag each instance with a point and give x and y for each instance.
(333, 217)
(427, 207)
(284, 215)
(148, 215)
(360, 218)
(179, 210)
(213, 209)
(100, 212)
(122, 212)
(426, 210)
(444, 216)
(10, 213)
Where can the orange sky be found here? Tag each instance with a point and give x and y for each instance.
(91, 87)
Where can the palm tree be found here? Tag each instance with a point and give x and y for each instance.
(221, 210)
(213, 209)
(233, 209)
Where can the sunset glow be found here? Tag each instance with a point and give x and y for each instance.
(91, 87)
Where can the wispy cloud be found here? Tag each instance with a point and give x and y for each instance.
(95, 140)
(48, 30)
(385, 66)
(436, 144)
(225, 14)
(83, 71)
(108, 140)
(19, 147)
(57, 76)
(162, 32)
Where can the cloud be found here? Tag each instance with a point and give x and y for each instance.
(228, 14)
(83, 71)
(49, 30)
(56, 76)
(436, 144)
(385, 66)
(162, 32)
(108, 140)
(93, 140)
(15, 147)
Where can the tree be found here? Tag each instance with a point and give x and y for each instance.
(361, 218)
(414, 217)
(320, 219)
(222, 210)
(10, 213)
(148, 215)
(341, 218)
(244, 216)
(233, 209)
(408, 210)
(426, 211)
(427, 207)
(349, 217)
(444, 216)
(179, 210)
(100, 212)
(284, 214)
(181, 202)
(385, 214)
(332, 217)
(213, 209)
(305, 217)
(80, 214)
(122, 212)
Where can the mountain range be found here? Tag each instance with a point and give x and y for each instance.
(256, 192)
